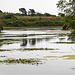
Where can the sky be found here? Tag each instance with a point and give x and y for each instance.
(41, 6)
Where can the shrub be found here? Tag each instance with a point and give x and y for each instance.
(72, 35)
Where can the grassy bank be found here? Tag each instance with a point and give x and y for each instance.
(11, 20)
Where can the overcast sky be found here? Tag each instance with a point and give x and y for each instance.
(41, 6)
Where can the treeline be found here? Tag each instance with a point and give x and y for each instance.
(30, 12)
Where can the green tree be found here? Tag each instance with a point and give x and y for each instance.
(31, 12)
(1, 11)
(69, 8)
(23, 10)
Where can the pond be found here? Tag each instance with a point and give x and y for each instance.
(36, 52)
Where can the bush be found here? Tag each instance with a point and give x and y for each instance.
(30, 23)
(72, 35)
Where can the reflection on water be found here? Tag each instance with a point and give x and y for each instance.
(1, 43)
(24, 42)
(31, 42)
(61, 39)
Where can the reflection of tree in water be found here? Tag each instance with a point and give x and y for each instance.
(1, 42)
(47, 39)
(39, 40)
(24, 42)
(61, 39)
(0, 45)
(32, 41)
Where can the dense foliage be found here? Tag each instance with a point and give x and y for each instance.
(68, 7)
(72, 35)
(17, 20)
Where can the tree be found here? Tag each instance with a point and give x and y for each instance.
(67, 6)
(1, 11)
(31, 12)
(23, 10)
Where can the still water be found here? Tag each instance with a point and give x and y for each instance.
(36, 52)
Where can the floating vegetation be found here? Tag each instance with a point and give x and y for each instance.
(3, 56)
(9, 58)
(73, 68)
(59, 52)
(1, 50)
(55, 52)
(1, 40)
(68, 57)
(50, 56)
(65, 42)
(37, 49)
(8, 41)
(22, 61)
(63, 34)
(26, 35)
(64, 57)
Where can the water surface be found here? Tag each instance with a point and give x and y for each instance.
(58, 61)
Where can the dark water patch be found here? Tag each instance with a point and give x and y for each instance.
(65, 57)
(8, 41)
